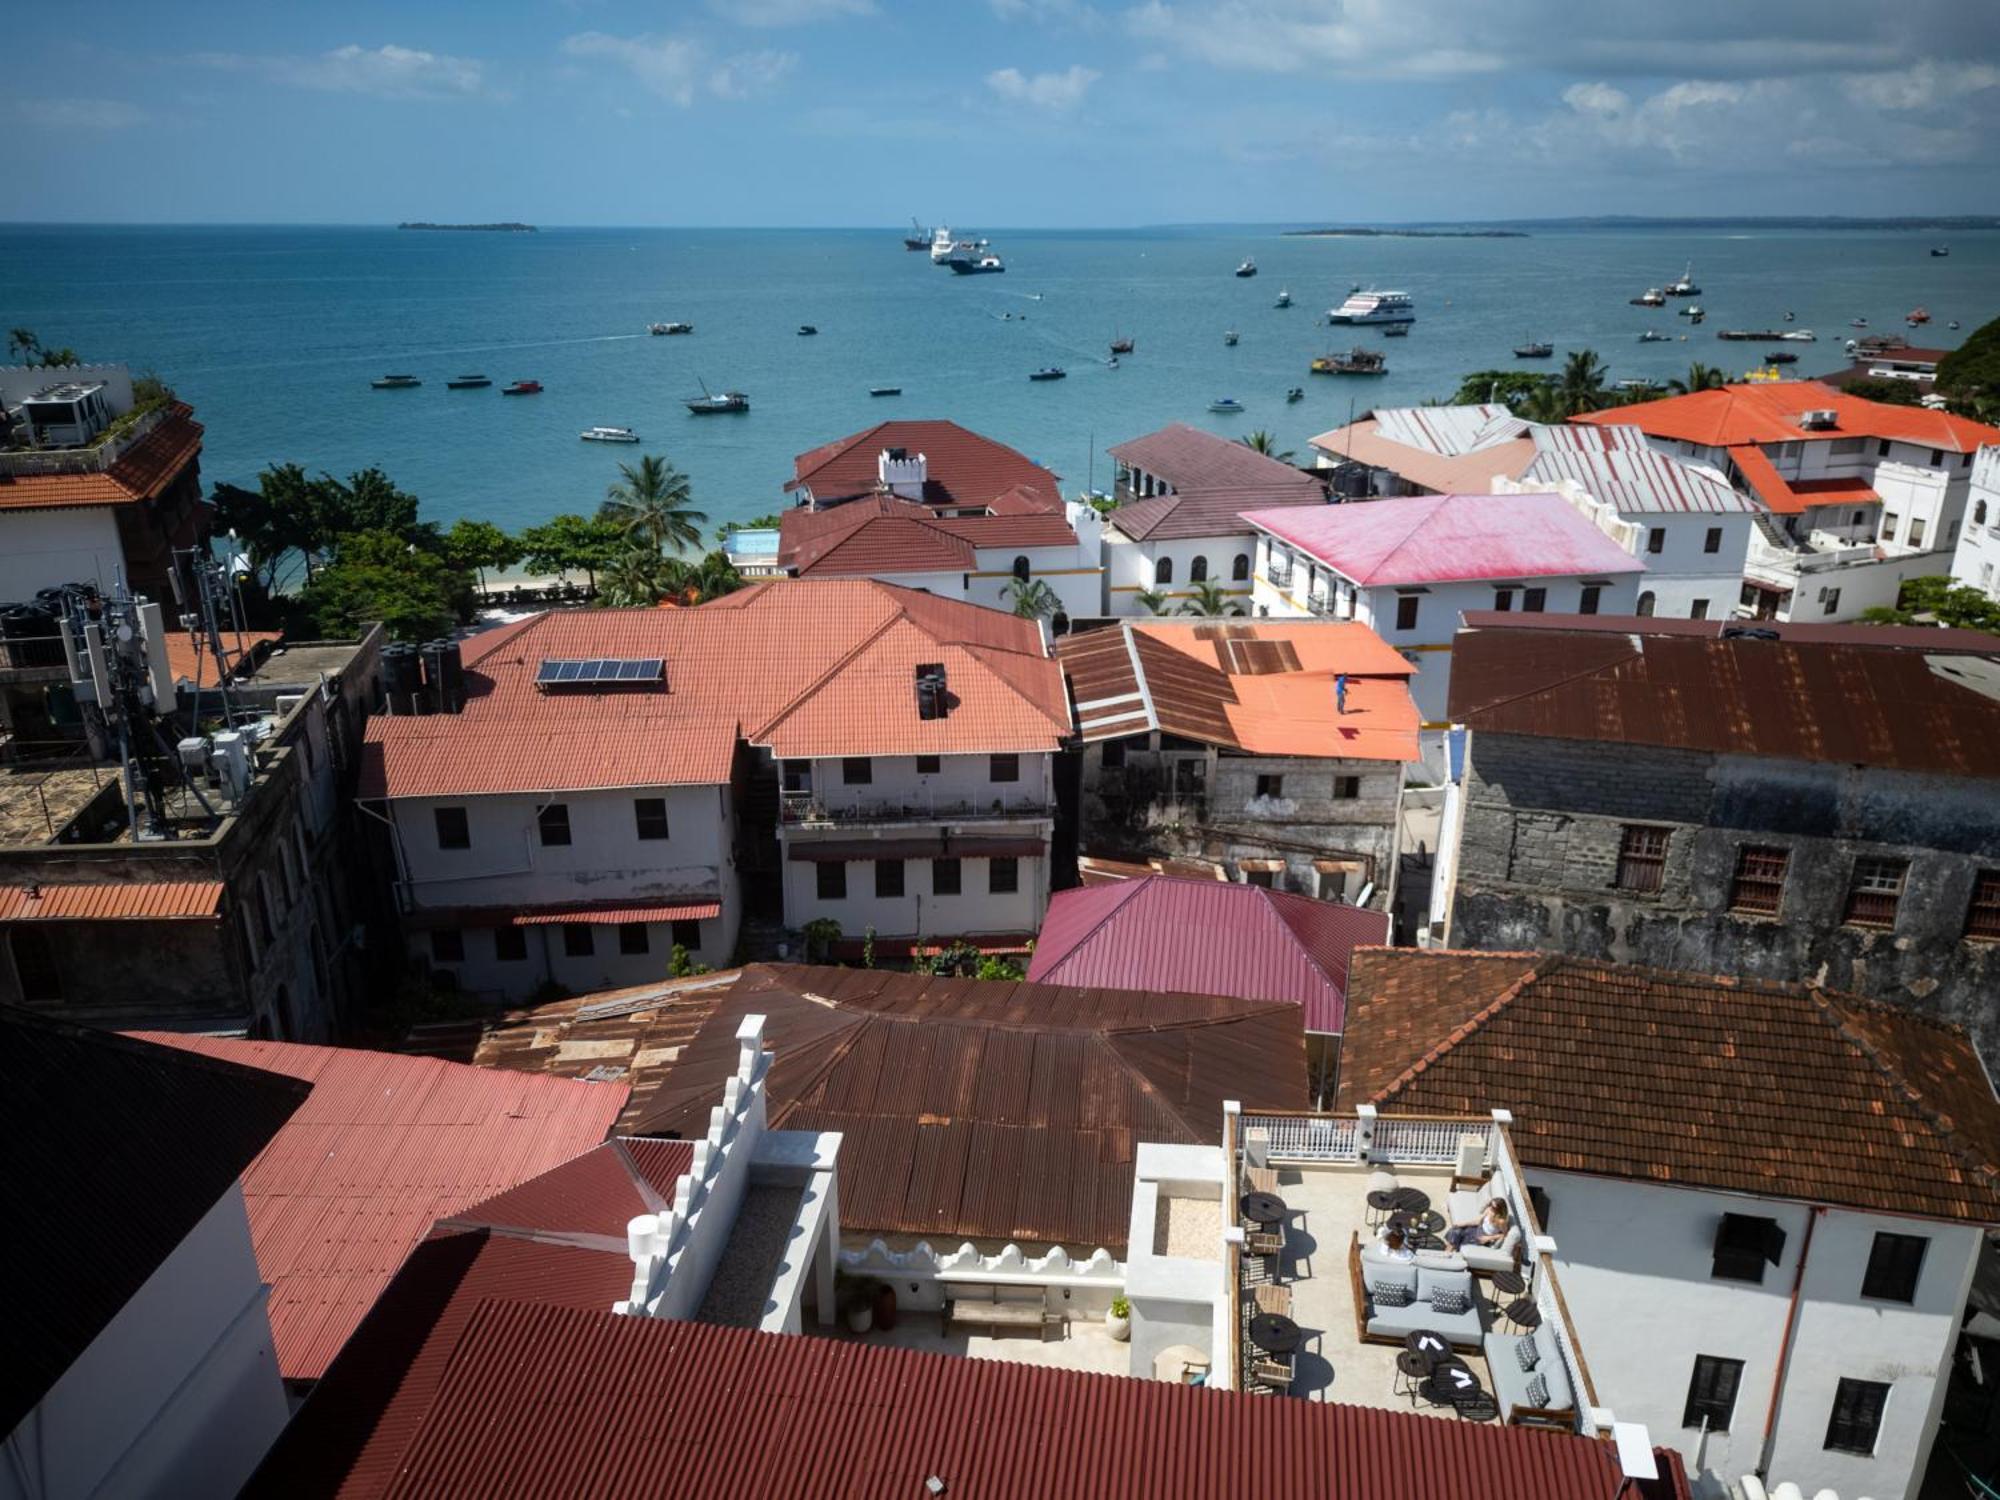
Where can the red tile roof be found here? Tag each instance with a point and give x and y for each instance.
(1768, 412)
(1189, 459)
(526, 1399)
(384, 1146)
(808, 668)
(1795, 497)
(961, 467)
(885, 535)
(1832, 702)
(1203, 513)
(1785, 1091)
(140, 473)
(1158, 933)
(122, 901)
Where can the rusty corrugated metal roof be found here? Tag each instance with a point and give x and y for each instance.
(590, 914)
(160, 901)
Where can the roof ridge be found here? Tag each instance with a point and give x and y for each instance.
(1146, 1084)
(838, 665)
(1417, 525)
(1479, 1019)
(1127, 891)
(654, 1200)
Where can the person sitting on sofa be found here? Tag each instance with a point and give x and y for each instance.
(1393, 1247)
(1490, 1230)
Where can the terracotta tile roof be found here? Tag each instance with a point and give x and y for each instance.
(1158, 933)
(809, 668)
(1189, 459)
(1264, 686)
(189, 661)
(882, 534)
(1787, 1091)
(960, 466)
(140, 473)
(521, 1397)
(987, 1109)
(1467, 473)
(122, 901)
(1446, 538)
(1204, 513)
(1768, 412)
(101, 1125)
(1799, 699)
(385, 1146)
(593, 914)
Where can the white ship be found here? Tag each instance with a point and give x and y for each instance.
(944, 248)
(609, 435)
(1375, 307)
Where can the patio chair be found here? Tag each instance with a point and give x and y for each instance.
(1261, 1179)
(1265, 1242)
(1272, 1375)
(1273, 1299)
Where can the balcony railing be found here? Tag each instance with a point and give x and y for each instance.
(816, 809)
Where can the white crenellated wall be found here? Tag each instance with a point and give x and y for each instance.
(923, 1278)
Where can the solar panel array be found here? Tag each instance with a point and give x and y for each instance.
(599, 671)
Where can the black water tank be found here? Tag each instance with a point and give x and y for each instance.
(451, 678)
(402, 679)
(434, 689)
(32, 636)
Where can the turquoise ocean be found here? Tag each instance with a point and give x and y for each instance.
(274, 334)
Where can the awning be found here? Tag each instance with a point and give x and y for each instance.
(598, 915)
(113, 901)
(828, 851)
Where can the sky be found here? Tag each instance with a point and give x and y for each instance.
(1043, 113)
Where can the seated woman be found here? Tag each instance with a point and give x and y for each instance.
(1490, 1230)
(1393, 1246)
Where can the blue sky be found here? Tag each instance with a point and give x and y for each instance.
(998, 112)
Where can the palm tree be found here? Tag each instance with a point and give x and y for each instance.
(1581, 384)
(639, 578)
(1262, 442)
(1207, 598)
(1700, 377)
(651, 504)
(1544, 404)
(1153, 601)
(1032, 598)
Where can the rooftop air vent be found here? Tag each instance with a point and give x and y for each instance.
(931, 697)
(1819, 419)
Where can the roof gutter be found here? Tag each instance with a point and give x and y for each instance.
(1785, 1346)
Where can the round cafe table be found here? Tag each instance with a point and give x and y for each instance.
(1411, 1200)
(1432, 1346)
(1274, 1333)
(1264, 1208)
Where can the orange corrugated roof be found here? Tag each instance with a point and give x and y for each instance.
(189, 661)
(1768, 412)
(1790, 498)
(139, 474)
(161, 901)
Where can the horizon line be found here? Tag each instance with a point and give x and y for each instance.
(1971, 221)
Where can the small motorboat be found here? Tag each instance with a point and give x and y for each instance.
(468, 383)
(1535, 349)
(1050, 372)
(1696, 315)
(1940, 251)
(1953, 325)
(885, 390)
(1296, 393)
(1354, 362)
(1781, 357)
(806, 330)
(1284, 300)
(1800, 336)
(396, 383)
(1225, 404)
(1692, 310)
(522, 388)
(1652, 336)
(977, 265)
(1651, 297)
(1395, 330)
(1916, 317)
(609, 435)
(1685, 287)
(713, 403)
(1637, 384)
(1248, 268)
(1857, 322)
(1788, 317)
(1122, 343)
(1230, 338)
(1111, 363)
(669, 328)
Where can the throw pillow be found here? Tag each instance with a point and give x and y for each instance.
(1525, 1352)
(1395, 1295)
(1538, 1391)
(1450, 1302)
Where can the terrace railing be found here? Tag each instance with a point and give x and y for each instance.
(805, 809)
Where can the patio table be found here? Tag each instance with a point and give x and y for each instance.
(1524, 1313)
(1411, 1200)
(1264, 1208)
(1274, 1333)
(1433, 1346)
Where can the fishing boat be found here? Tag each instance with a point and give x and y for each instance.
(396, 382)
(970, 264)
(467, 383)
(1940, 251)
(885, 390)
(609, 435)
(1534, 349)
(1225, 404)
(522, 388)
(1374, 307)
(1781, 357)
(1395, 330)
(1685, 287)
(660, 328)
(1916, 317)
(1284, 300)
(1122, 343)
(1231, 337)
(1857, 322)
(1695, 315)
(1355, 362)
(711, 403)
(1296, 393)
(1651, 297)
(919, 240)
(1050, 372)
(1652, 336)
(806, 330)
(1248, 268)
(1692, 310)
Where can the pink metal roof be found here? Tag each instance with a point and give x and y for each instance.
(121, 901)
(383, 1147)
(1207, 937)
(1449, 538)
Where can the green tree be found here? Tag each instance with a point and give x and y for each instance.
(1262, 442)
(572, 543)
(1582, 383)
(768, 522)
(1207, 598)
(709, 576)
(1969, 377)
(638, 578)
(1890, 392)
(649, 504)
(379, 575)
(480, 545)
(1032, 599)
(1153, 601)
(1508, 387)
(1940, 599)
(22, 341)
(367, 500)
(1700, 377)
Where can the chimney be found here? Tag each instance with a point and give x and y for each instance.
(930, 690)
(901, 473)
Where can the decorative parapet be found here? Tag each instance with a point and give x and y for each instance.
(1010, 1267)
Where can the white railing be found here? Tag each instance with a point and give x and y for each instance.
(1012, 1266)
(1305, 1137)
(806, 808)
(1433, 1142)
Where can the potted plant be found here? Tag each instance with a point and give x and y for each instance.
(1118, 1321)
(857, 1303)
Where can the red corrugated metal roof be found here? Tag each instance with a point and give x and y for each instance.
(1794, 497)
(1769, 412)
(1447, 538)
(1158, 933)
(383, 1147)
(961, 467)
(162, 901)
(1189, 459)
(140, 473)
(543, 1400)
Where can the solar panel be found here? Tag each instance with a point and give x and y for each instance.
(597, 670)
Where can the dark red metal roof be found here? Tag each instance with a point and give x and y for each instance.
(962, 468)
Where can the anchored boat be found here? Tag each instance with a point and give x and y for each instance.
(395, 382)
(670, 328)
(711, 403)
(609, 435)
(1354, 362)
(467, 383)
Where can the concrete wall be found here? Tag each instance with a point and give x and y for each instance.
(1636, 1262)
(1976, 562)
(179, 1395)
(1132, 566)
(919, 911)
(1539, 853)
(1682, 571)
(42, 548)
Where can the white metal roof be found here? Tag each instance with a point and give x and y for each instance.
(1619, 467)
(1449, 430)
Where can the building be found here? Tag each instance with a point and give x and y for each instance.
(1862, 494)
(1886, 357)
(941, 465)
(1178, 522)
(840, 751)
(1425, 450)
(1409, 568)
(1753, 1283)
(96, 486)
(382, 1147)
(1976, 563)
(1823, 806)
(139, 1359)
(1274, 749)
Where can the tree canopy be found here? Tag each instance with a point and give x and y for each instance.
(416, 592)
(1508, 387)
(1943, 599)
(572, 543)
(651, 505)
(1969, 377)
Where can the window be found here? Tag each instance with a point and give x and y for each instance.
(1113, 754)
(1857, 1416)
(1198, 570)
(1712, 541)
(1642, 857)
(1859, 517)
(1645, 605)
(832, 875)
(578, 940)
(857, 770)
(1346, 788)
(1916, 531)
(1587, 602)
(1163, 572)
(947, 877)
(554, 820)
(650, 813)
(1239, 571)
(1406, 612)
(1744, 1245)
(1875, 890)
(1937, 457)
(1265, 878)
(1894, 1264)
(796, 775)
(35, 965)
(454, 831)
(1882, 448)
(633, 939)
(1003, 876)
(1656, 539)
(1831, 603)
(1890, 520)
(929, 765)
(1982, 918)
(1002, 768)
(1021, 568)
(447, 945)
(1759, 885)
(1503, 599)
(510, 944)
(1712, 1392)
(1534, 601)
(1698, 610)
(888, 878)
(1979, 513)
(686, 934)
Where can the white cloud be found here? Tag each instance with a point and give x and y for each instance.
(1048, 12)
(768, 14)
(1051, 91)
(1595, 99)
(388, 72)
(1923, 85)
(79, 114)
(680, 69)
(749, 74)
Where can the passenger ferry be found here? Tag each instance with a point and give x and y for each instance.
(609, 435)
(1375, 307)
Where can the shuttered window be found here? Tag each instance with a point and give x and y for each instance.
(1760, 879)
(1857, 1416)
(1712, 1392)
(1642, 858)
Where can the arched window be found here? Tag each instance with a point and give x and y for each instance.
(1240, 570)
(1646, 603)
(1163, 572)
(1021, 568)
(1198, 570)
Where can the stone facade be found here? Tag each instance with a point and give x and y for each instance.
(1539, 854)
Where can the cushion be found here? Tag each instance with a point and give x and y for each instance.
(1434, 1279)
(1538, 1391)
(1379, 1269)
(1524, 1354)
(1388, 1295)
(1442, 1260)
(1463, 1207)
(1450, 1300)
(1382, 1182)
(1549, 1364)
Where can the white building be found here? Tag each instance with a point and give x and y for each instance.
(1976, 563)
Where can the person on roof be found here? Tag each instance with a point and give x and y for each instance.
(1393, 1246)
(1490, 1230)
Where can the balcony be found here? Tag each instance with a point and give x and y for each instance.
(95, 457)
(844, 810)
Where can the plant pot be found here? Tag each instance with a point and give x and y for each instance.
(885, 1307)
(860, 1315)
(1119, 1328)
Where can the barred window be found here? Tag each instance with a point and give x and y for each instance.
(1982, 919)
(1875, 891)
(1642, 858)
(1760, 879)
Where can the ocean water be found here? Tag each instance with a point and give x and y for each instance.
(274, 334)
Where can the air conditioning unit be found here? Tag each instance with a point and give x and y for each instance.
(1819, 419)
(286, 702)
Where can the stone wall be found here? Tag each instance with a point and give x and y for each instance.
(1539, 857)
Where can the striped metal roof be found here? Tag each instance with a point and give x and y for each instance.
(161, 901)
(1448, 431)
(1618, 466)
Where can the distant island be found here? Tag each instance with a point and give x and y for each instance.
(484, 228)
(1416, 234)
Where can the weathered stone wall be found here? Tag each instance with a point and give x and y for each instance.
(1543, 824)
